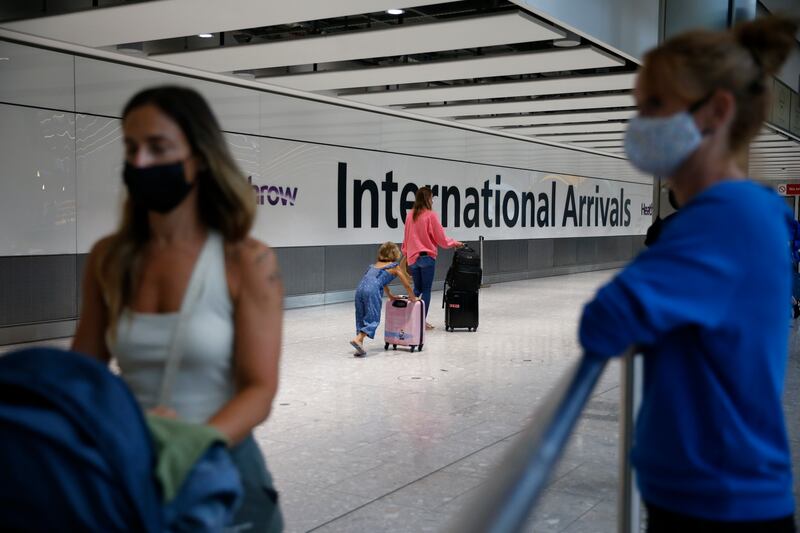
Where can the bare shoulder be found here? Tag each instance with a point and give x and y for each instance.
(101, 245)
(253, 264)
(99, 249)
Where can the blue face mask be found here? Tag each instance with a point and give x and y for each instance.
(659, 145)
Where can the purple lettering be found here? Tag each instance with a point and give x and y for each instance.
(272, 195)
(259, 197)
(288, 194)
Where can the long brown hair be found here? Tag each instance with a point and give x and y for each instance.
(423, 200)
(694, 64)
(225, 199)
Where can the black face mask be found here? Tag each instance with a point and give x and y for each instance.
(158, 188)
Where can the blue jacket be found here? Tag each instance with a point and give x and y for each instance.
(707, 303)
(794, 240)
(75, 454)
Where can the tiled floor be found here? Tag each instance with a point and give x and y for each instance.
(401, 442)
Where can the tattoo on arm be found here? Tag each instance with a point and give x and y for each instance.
(274, 275)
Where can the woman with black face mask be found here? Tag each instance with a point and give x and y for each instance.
(187, 303)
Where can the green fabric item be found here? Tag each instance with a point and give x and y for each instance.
(178, 446)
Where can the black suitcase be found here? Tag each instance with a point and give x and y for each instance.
(465, 272)
(466, 256)
(461, 309)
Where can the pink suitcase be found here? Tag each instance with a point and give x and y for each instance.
(405, 324)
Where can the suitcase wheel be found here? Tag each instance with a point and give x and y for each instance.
(386, 346)
(412, 349)
(420, 347)
(395, 346)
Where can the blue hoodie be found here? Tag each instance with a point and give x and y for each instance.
(707, 303)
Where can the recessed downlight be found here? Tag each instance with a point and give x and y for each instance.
(395, 11)
(205, 35)
(568, 41)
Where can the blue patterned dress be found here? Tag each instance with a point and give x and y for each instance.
(369, 298)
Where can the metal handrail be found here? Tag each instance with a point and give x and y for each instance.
(503, 504)
(628, 498)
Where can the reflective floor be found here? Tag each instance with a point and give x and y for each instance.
(401, 441)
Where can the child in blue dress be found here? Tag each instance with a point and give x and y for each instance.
(368, 294)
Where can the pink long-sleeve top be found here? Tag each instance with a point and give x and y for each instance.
(425, 234)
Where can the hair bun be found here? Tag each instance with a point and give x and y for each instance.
(769, 39)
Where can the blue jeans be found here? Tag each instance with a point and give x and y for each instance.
(368, 310)
(260, 511)
(422, 272)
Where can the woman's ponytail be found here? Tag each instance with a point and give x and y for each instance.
(769, 39)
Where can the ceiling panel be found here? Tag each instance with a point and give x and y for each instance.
(613, 149)
(149, 21)
(778, 162)
(599, 144)
(573, 84)
(477, 67)
(775, 155)
(560, 118)
(768, 135)
(584, 137)
(506, 28)
(591, 127)
(774, 144)
(526, 106)
(780, 151)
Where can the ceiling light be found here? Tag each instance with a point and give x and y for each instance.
(395, 11)
(205, 35)
(134, 49)
(568, 41)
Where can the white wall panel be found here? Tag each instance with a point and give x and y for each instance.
(36, 77)
(104, 88)
(37, 181)
(100, 190)
(292, 118)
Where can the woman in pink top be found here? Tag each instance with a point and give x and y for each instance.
(423, 237)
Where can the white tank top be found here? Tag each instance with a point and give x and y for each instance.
(204, 381)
